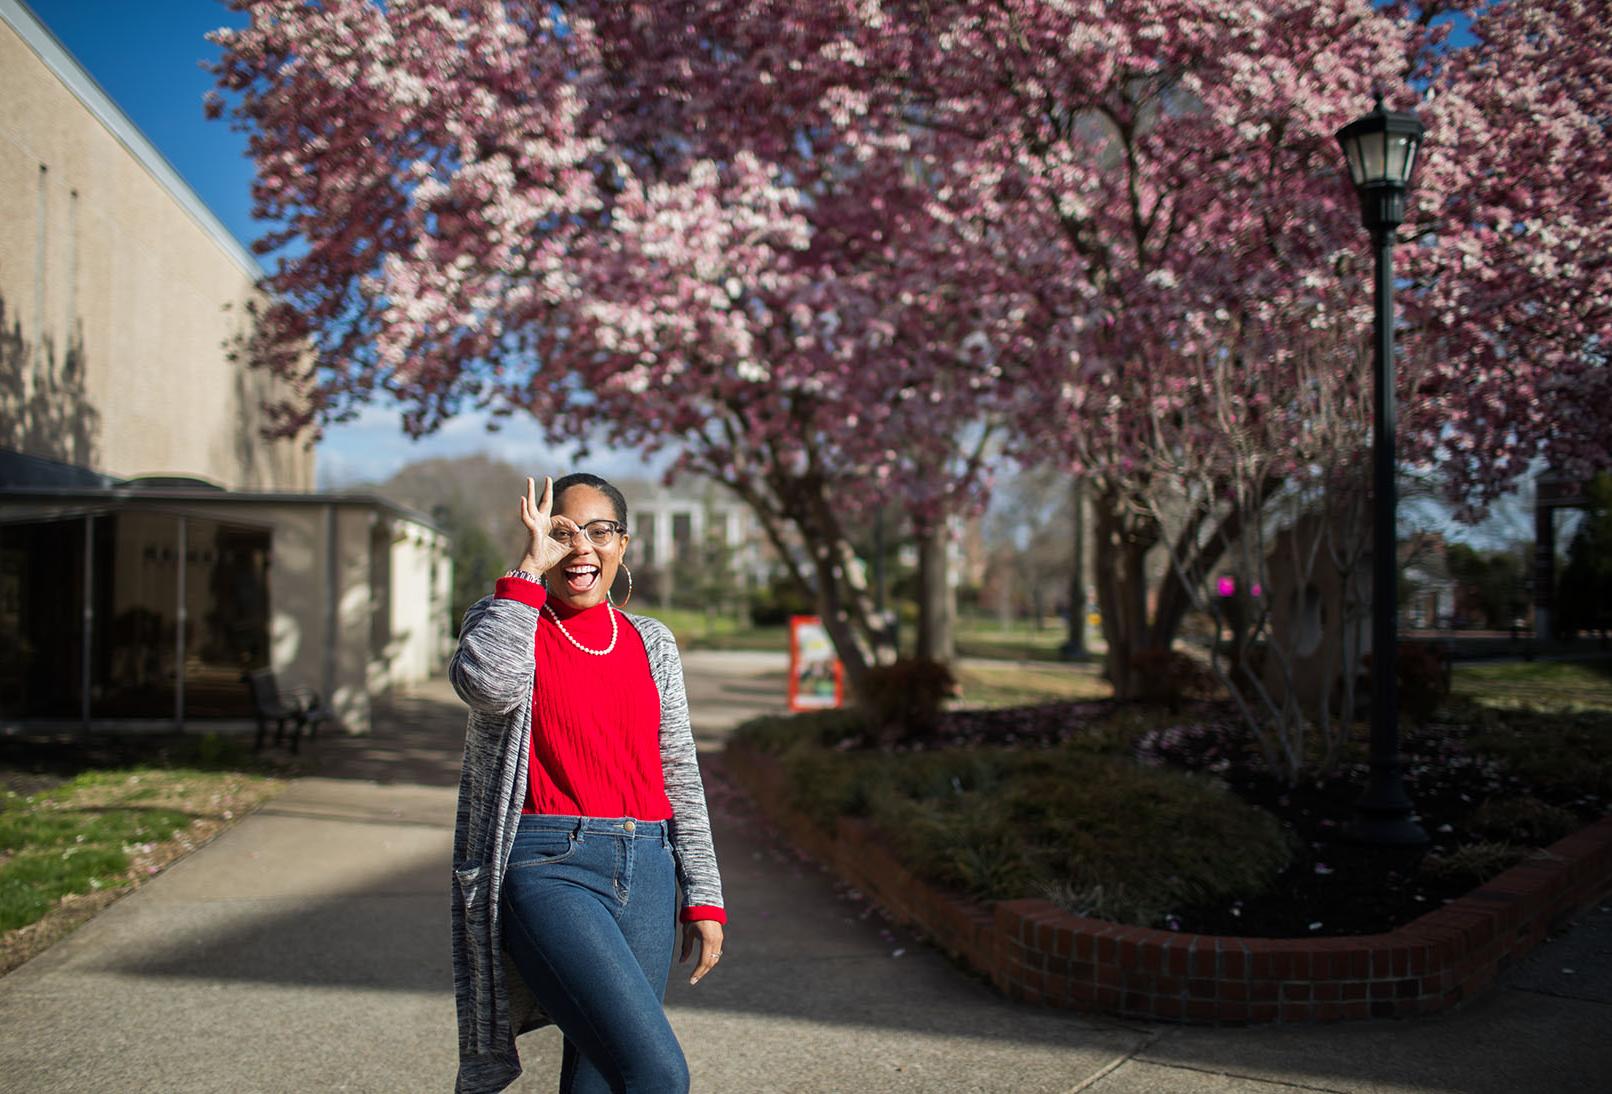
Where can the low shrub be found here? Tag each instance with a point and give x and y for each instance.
(1003, 823)
(772, 606)
(903, 700)
(1473, 863)
(778, 733)
(1116, 903)
(1526, 821)
(1563, 752)
(1424, 678)
(1170, 677)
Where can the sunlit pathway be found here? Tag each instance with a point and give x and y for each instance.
(307, 950)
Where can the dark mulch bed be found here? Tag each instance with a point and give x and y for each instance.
(1480, 816)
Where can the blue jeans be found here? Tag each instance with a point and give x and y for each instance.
(591, 923)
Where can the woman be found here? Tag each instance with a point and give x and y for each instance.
(579, 799)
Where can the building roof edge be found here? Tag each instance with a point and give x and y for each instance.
(218, 497)
(60, 60)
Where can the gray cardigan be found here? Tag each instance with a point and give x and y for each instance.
(493, 670)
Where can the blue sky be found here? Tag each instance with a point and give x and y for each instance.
(147, 57)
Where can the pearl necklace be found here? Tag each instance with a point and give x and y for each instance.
(572, 639)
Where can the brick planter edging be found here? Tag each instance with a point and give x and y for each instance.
(1035, 951)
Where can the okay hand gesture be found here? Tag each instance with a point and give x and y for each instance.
(543, 552)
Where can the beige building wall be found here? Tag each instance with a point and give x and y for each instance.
(120, 292)
(420, 588)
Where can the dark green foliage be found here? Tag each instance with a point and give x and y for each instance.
(704, 577)
(1063, 823)
(777, 734)
(1474, 863)
(902, 700)
(1525, 821)
(1169, 677)
(1584, 592)
(477, 562)
(773, 605)
(1424, 679)
(1492, 583)
(1564, 752)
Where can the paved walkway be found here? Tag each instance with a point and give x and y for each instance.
(306, 949)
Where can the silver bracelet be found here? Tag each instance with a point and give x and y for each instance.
(526, 575)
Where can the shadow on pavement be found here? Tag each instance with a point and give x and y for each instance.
(419, 738)
(803, 949)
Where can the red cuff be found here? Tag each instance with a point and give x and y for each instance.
(704, 911)
(518, 588)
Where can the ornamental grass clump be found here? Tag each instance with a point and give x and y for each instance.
(1526, 821)
(1473, 863)
(1562, 752)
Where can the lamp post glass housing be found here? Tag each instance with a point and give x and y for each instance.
(1381, 149)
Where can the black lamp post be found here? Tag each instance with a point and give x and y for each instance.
(1381, 149)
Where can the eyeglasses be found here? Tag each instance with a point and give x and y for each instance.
(600, 533)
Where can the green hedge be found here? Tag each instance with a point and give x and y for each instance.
(1086, 827)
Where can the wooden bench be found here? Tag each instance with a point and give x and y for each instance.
(298, 708)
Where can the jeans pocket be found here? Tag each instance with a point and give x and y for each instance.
(542, 847)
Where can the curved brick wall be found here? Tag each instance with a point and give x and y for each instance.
(1034, 951)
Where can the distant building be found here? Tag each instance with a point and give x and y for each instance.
(673, 528)
(153, 545)
(1432, 596)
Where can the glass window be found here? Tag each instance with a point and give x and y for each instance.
(227, 615)
(682, 535)
(136, 591)
(41, 619)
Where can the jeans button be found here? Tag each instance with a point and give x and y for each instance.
(629, 826)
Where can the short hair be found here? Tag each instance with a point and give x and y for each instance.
(582, 478)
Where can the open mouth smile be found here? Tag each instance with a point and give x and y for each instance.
(581, 578)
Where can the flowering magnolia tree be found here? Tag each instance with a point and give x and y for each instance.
(831, 250)
(500, 212)
(1181, 157)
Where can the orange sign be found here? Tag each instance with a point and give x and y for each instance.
(816, 678)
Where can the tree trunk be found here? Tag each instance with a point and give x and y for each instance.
(854, 655)
(1121, 555)
(822, 581)
(1196, 556)
(936, 604)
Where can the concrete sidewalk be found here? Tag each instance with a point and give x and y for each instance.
(307, 949)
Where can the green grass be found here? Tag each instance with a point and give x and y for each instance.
(696, 630)
(1560, 685)
(1028, 683)
(977, 636)
(83, 835)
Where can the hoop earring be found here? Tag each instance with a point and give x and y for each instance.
(626, 598)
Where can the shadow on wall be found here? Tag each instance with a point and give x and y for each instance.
(44, 409)
(246, 439)
(254, 390)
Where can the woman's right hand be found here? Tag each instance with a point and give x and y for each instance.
(543, 553)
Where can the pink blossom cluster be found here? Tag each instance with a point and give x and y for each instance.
(846, 252)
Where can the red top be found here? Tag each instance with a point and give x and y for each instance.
(595, 743)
